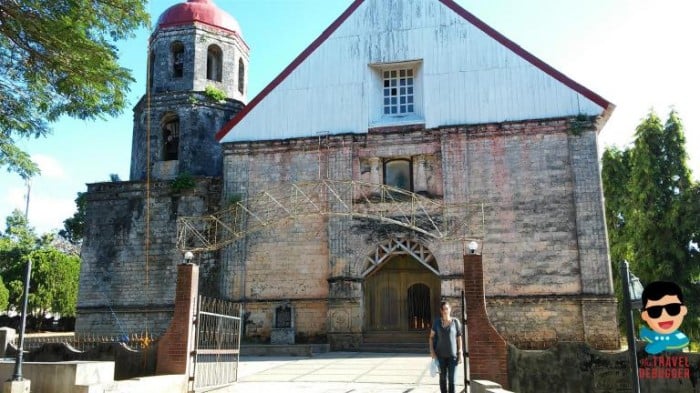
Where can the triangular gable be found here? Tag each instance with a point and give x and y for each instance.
(600, 105)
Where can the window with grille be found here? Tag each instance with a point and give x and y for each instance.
(398, 91)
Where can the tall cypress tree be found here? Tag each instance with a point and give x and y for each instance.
(657, 210)
(616, 176)
(659, 179)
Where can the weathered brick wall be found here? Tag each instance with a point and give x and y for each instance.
(538, 322)
(310, 320)
(286, 262)
(129, 265)
(521, 172)
(545, 232)
(540, 189)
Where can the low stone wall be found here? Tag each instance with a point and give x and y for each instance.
(128, 363)
(80, 376)
(284, 350)
(61, 377)
(577, 368)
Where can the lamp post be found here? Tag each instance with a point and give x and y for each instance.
(17, 375)
(632, 292)
(473, 246)
(188, 257)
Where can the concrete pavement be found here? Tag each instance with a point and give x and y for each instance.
(339, 372)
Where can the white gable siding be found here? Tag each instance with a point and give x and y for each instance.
(467, 77)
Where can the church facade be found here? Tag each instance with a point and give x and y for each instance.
(422, 100)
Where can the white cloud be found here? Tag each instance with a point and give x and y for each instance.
(14, 198)
(50, 167)
(47, 212)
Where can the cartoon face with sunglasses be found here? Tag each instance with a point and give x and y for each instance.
(663, 310)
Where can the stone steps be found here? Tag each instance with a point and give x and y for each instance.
(397, 342)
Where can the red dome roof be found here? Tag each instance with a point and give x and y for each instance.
(203, 11)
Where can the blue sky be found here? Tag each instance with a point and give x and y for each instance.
(638, 54)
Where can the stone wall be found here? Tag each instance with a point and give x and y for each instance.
(129, 257)
(310, 320)
(544, 228)
(577, 368)
(537, 322)
(199, 118)
(540, 189)
(196, 41)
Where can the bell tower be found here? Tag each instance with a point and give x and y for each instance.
(197, 81)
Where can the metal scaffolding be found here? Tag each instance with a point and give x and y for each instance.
(286, 202)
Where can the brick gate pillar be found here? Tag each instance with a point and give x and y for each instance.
(177, 343)
(487, 349)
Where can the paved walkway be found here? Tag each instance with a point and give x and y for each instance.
(339, 372)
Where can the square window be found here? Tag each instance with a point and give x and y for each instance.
(398, 91)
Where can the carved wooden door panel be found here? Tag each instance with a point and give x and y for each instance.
(389, 314)
(401, 296)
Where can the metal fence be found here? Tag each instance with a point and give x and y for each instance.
(217, 344)
(136, 341)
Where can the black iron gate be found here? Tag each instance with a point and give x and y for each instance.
(217, 344)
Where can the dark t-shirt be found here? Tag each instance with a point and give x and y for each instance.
(447, 338)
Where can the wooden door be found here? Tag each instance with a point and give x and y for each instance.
(402, 295)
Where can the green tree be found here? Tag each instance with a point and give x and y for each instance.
(658, 184)
(59, 58)
(18, 240)
(74, 227)
(54, 282)
(616, 176)
(652, 209)
(4, 295)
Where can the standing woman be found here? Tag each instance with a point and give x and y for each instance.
(447, 348)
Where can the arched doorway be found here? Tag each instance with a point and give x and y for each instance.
(401, 289)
